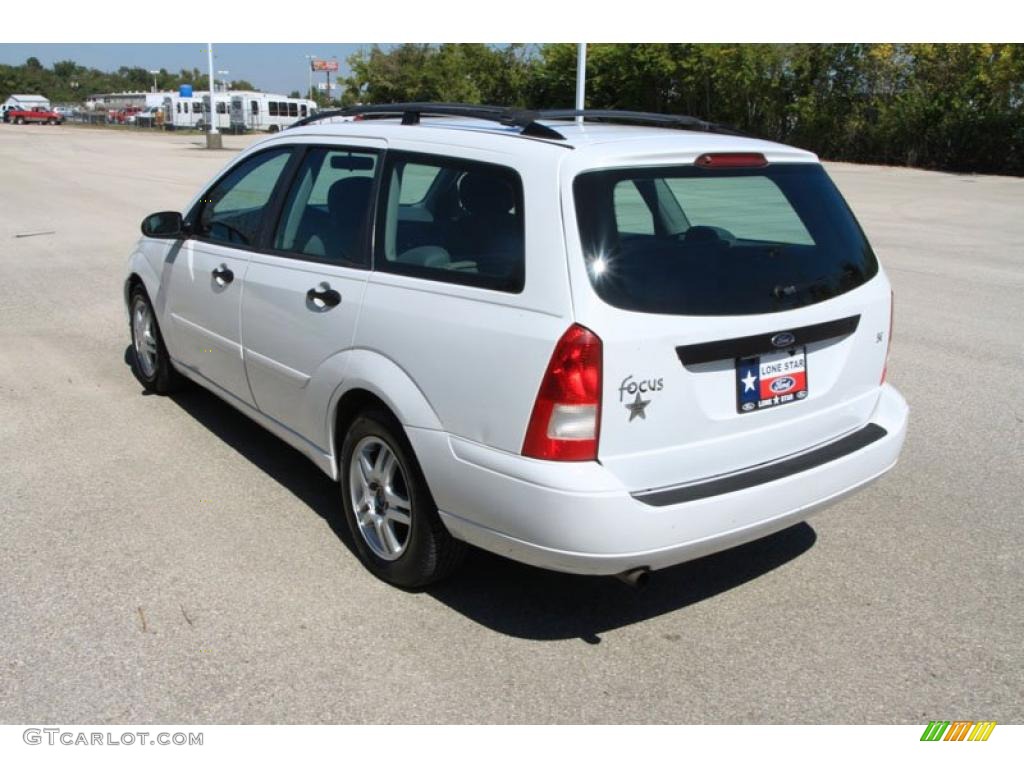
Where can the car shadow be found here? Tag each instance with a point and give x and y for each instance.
(535, 604)
(273, 456)
(500, 594)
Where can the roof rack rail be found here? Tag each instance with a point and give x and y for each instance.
(412, 111)
(526, 119)
(627, 116)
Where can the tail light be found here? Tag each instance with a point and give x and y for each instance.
(566, 417)
(731, 160)
(888, 342)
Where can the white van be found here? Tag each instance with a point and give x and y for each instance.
(182, 112)
(237, 111)
(269, 112)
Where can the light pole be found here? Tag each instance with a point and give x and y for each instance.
(154, 73)
(213, 139)
(309, 73)
(581, 78)
(328, 73)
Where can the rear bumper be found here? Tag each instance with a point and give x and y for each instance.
(578, 518)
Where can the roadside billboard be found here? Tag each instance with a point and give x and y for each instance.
(323, 65)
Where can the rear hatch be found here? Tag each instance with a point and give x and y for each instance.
(743, 315)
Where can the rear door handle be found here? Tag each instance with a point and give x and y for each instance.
(324, 295)
(223, 275)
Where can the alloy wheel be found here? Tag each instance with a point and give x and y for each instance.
(380, 498)
(144, 337)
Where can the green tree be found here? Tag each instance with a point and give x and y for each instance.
(472, 72)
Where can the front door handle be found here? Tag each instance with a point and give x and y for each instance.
(324, 295)
(223, 275)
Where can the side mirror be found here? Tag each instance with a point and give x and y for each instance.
(166, 224)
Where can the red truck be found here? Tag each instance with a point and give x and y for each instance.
(34, 115)
(126, 115)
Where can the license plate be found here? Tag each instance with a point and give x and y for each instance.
(770, 380)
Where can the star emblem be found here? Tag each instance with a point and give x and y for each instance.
(748, 382)
(636, 408)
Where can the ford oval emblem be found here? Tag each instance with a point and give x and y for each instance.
(783, 384)
(783, 339)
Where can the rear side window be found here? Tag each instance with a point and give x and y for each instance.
(326, 213)
(452, 220)
(694, 241)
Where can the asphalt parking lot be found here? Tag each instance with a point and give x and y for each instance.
(165, 560)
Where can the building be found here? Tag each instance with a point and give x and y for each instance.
(26, 101)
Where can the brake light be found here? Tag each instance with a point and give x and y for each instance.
(566, 418)
(731, 160)
(888, 342)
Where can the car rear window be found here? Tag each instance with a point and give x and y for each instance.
(685, 240)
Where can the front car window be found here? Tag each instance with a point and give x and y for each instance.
(686, 240)
(454, 221)
(232, 211)
(327, 211)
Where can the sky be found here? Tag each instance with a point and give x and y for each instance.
(275, 67)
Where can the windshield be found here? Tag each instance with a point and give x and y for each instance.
(686, 240)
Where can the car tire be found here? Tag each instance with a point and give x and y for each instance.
(150, 362)
(391, 514)
(20, 121)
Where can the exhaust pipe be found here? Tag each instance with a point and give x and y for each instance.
(636, 578)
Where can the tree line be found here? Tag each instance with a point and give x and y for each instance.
(957, 107)
(70, 83)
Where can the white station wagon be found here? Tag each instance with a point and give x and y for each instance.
(600, 346)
